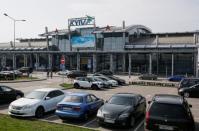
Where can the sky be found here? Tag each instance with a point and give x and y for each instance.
(158, 15)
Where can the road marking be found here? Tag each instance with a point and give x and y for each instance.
(148, 96)
(136, 129)
(90, 122)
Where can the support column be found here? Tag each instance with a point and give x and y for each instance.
(78, 61)
(157, 56)
(37, 61)
(71, 62)
(129, 70)
(172, 64)
(94, 63)
(124, 63)
(4, 61)
(196, 64)
(14, 61)
(111, 62)
(150, 63)
(25, 60)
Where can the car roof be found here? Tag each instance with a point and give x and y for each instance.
(47, 89)
(79, 93)
(191, 78)
(169, 99)
(126, 94)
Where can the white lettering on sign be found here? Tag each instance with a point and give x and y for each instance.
(81, 21)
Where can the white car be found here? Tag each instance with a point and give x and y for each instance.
(65, 72)
(110, 81)
(36, 103)
(87, 82)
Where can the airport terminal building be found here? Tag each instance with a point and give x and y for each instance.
(132, 48)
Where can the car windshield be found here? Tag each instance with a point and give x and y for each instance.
(167, 110)
(36, 95)
(74, 99)
(121, 100)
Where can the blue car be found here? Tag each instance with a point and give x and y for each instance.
(78, 105)
(176, 78)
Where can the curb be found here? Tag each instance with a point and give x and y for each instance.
(156, 84)
(23, 81)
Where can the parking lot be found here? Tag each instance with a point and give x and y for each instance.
(146, 91)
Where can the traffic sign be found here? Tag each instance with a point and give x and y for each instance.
(62, 60)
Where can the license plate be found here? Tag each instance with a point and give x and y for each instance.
(109, 121)
(165, 127)
(14, 111)
(66, 108)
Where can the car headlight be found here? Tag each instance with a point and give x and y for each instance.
(99, 113)
(181, 90)
(124, 115)
(27, 106)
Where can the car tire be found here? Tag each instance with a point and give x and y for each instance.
(76, 85)
(39, 112)
(186, 94)
(94, 87)
(18, 96)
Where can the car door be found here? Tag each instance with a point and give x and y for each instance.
(50, 101)
(59, 96)
(9, 94)
(90, 104)
(195, 91)
(96, 102)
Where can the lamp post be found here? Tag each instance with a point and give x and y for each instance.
(14, 20)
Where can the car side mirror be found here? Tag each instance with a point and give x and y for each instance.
(106, 101)
(190, 106)
(47, 98)
(149, 102)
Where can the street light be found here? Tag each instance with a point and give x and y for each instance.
(14, 20)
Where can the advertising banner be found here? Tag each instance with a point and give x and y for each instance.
(83, 41)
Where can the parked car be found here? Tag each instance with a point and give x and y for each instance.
(119, 81)
(176, 78)
(122, 109)
(105, 83)
(188, 82)
(169, 112)
(105, 72)
(65, 72)
(26, 69)
(148, 77)
(192, 91)
(6, 75)
(76, 73)
(78, 105)
(8, 94)
(107, 79)
(87, 82)
(36, 103)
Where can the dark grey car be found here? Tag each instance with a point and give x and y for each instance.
(122, 109)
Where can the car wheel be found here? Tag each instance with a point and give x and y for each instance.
(94, 87)
(132, 122)
(186, 94)
(18, 96)
(76, 85)
(39, 112)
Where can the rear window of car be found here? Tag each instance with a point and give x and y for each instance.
(167, 110)
(74, 99)
(121, 100)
